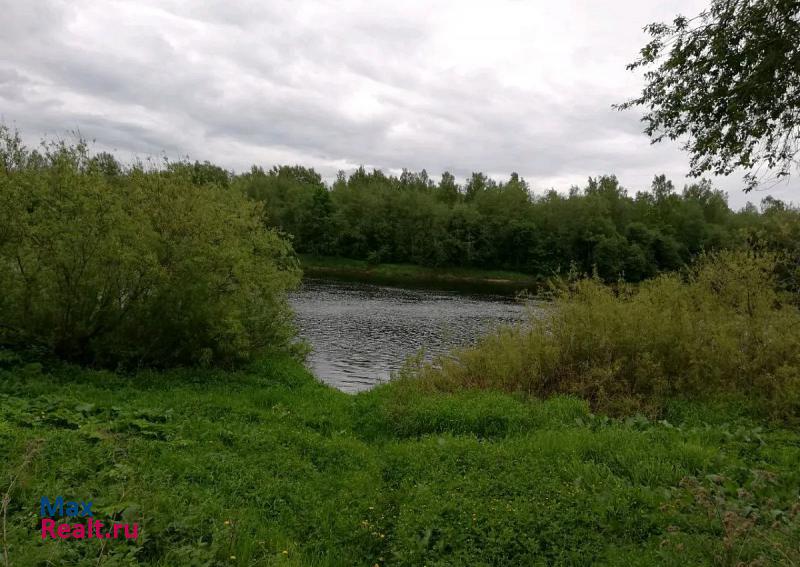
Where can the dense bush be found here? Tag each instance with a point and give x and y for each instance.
(722, 330)
(109, 265)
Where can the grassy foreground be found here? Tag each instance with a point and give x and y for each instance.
(268, 467)
(410, 274)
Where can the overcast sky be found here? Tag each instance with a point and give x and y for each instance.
(494, 86)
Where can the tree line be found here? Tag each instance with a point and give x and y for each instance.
(112, 264)
(483, 223)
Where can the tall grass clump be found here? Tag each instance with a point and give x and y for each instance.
(719, 331)
(109, 265)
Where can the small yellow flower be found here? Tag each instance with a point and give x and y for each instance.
(227, 522)
(233, 557)
(285, 552)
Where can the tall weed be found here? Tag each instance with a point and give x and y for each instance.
(719, 330)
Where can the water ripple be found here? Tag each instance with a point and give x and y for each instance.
(361, 333)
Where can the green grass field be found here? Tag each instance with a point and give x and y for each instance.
(269, 467)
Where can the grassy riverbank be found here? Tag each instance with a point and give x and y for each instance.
(268, 467)
(409, 274)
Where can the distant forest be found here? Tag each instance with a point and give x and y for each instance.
(486, 224)
(502, 225)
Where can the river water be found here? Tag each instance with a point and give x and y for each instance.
(361, 333)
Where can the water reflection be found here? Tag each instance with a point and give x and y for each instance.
(360, 333)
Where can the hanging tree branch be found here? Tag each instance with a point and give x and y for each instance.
(727, 83)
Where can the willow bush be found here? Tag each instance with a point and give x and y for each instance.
(111, 266)
(721, 330)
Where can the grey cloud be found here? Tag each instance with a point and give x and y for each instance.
(324, 83)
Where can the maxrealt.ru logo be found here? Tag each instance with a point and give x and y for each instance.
(72, 510)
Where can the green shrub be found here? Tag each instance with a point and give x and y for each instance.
(719, 331)
(138, 266)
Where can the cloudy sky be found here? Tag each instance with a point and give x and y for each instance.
(493, 85)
